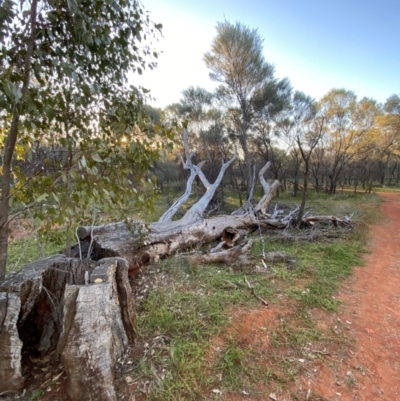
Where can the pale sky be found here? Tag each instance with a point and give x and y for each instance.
(317, 44)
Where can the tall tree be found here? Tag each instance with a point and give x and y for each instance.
(349, 122)
(63, 80)
(236, 60)
(307, 129)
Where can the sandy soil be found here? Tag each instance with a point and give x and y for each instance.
(372, 312)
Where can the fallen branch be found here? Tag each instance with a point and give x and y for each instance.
(263, 301)
(236, 257)
(347, 221)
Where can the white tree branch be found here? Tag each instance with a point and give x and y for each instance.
(197, 210)
(269, 191)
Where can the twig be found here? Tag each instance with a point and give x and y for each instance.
(39, 245)
(261, 237)
(324, 352)
(91, 235)
(22, 254)
(263, 301)
(79, 244)
(50, 295)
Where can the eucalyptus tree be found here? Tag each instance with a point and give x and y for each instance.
(387, 138)
(302, 127)
(247, 80)
(349, 126)
(63, 81)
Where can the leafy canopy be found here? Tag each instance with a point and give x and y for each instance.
(95, 139)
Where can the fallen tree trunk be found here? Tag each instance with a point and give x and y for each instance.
(142, 244)
(236, 257)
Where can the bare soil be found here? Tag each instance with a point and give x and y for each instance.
(369, 369)
(371, 310)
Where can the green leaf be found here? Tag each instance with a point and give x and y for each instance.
(37, 221)
(55, 197)
(42, 197)
(75, 77)
(97, 158)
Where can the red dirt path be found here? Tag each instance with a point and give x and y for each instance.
(370, 314)
(372, 308)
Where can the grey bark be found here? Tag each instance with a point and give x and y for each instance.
(48, 308)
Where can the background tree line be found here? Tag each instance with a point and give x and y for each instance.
(327, 144)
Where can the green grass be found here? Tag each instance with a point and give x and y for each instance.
(325, 266)
(36, 395)
(196, 306)
(384, 188)
(189, 312)
(26, 250)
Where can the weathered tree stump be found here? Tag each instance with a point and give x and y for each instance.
(81, 312)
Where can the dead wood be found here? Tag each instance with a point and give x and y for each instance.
(47, 310)
(236, 257)
(143, 244)
(347, 221)
(275, 256)
(251, 288)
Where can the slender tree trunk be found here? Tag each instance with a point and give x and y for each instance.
(247, 161)
(9, 148)
(391, 175)
(317, 188)
(304, 195)
(5, 191)
(295, 186)
(235, 184)
(398, 174)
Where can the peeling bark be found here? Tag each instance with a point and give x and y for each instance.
(10, 344)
